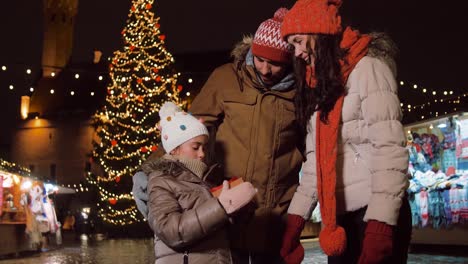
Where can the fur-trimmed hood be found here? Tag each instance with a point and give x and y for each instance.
(240, 50)
(169, 165)
(383, 48)
(164, 165)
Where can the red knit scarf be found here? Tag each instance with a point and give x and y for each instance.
(333, 237)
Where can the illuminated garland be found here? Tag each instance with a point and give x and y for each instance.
(14, 168)
(447, 99)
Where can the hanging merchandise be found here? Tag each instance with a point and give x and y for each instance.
(32, 228)
(464, 138)
(38, 210)
(438, 169)
(49, 212)
(448, 132)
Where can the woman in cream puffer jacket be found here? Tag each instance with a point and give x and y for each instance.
(370, 144)
(371, 165)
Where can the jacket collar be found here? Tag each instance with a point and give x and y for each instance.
(188, 176)
(247, 78)
(285, 84)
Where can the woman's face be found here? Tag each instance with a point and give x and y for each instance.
(192, 149)
(304, 45)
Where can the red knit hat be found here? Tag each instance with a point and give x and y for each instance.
(312, 17)
(267, 42)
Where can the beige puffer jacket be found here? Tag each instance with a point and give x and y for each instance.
(185, 218)
(372, 160)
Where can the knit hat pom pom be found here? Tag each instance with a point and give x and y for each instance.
(333, 240)
(280, 13)
(168, 109)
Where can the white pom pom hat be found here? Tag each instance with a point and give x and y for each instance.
(177, 126)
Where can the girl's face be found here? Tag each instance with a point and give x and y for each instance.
(192, 149)
(304, 45)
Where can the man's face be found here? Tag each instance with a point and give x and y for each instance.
(271, 72)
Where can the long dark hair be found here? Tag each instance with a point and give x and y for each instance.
(329, 81)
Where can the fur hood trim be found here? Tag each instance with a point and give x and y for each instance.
(384, 48)
(165, 165)
(242, 48)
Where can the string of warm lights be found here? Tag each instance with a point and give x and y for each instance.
(435, 102)
(119, 218)
(85, 73)
(14, 168)
(437, 95)
(455, 99)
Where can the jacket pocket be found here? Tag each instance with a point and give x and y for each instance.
(288, 117)
(247, 98)
(239, 105)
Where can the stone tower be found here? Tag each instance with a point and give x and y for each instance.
(59, 20)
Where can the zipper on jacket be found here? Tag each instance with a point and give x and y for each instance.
(253, 140)
(186, 257)
(272, 180)
(357, 155)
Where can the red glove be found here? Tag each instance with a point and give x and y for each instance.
(291, 248)
(377, 246)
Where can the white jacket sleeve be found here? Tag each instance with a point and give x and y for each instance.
(388, 158)
(305, 198)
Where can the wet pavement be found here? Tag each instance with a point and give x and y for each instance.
(88, 251)
(314, 255)
(116, 251)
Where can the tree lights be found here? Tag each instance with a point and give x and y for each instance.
(142, 77)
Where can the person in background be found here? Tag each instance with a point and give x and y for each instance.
(355, 146)
(188, 222)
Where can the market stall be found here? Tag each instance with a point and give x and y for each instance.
(27, 214)
(438, 169)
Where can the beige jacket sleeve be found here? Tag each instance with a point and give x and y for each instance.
(178, 228)
(388, 158)
(305, 198)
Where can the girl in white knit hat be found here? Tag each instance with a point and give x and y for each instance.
(187, 220)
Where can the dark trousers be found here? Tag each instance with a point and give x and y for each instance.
(354, 225)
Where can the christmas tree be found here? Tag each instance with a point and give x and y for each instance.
(142, 78)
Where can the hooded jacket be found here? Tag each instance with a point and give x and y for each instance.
(186, 219)
(371, 158)
(256, 138)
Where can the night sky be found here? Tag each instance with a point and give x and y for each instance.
(432, 35)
